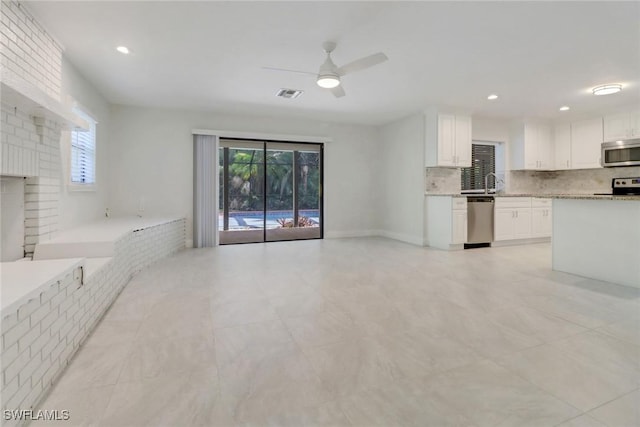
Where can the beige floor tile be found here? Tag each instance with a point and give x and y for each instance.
(322, 328)
(361, 332)
(169, 400)
(288, 400)
(345, 367)
(582, 382)
(113, 332)
(582, 421)
(621, 412)
(255, 372)
(539, 324)
(242, 313)
(93, 367)
(489, 395)
(397, 404)
(149, 359)
(628, 330)
(85, 407)
(232, 343)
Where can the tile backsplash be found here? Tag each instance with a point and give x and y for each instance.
(442, 180)
(582, 181)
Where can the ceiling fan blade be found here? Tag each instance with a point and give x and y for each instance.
(338, 91)
(362, 63)
(289, 71)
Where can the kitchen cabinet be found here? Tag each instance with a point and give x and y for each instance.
(541, 217)
(447, 140)
(586, 141)
(532, 146)
(459, 220)
(512, 218)
(446, 222)
(621, 126)
(562, 146)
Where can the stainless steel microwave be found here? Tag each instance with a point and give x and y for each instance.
(621, 153)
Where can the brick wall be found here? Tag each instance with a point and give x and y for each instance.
(41, 337)
(31, 145)
(28, 50)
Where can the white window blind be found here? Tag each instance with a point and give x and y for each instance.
(83, 152)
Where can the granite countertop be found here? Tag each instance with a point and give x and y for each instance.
(545, 196)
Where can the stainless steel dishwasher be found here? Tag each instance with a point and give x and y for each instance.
(480, 219)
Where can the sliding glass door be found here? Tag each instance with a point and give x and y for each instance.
(269, 191)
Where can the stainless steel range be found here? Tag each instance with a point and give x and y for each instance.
(624, 187)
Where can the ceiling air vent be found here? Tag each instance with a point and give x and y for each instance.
(289, 93)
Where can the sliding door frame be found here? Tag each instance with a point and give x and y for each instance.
(296, 181)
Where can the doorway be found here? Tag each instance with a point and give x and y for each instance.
(269, 191)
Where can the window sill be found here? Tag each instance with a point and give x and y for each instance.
(81, 187)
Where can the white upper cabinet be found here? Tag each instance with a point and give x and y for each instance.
(532, 146)
(586, 141)
(562, 146)
(447, 140)
(622, 126)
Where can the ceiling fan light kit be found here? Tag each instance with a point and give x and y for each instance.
(328, 81)
(328, 77)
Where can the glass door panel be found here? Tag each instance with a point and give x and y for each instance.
(293, 189)
(241, 217)
(269, 191)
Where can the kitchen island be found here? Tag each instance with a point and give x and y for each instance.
(597, 237)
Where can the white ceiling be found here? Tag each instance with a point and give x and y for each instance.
(208, 55)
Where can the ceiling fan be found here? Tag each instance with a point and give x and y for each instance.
(329, 75)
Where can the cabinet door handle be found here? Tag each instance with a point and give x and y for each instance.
(567, 163)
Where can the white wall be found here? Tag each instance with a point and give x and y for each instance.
(402, 180)
(77, 207)
(151, 163)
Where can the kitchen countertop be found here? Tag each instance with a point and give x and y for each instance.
(546, 196)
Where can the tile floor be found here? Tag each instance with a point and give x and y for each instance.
(359, 332)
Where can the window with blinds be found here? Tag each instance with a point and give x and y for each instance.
(483, 161)
(83, 152)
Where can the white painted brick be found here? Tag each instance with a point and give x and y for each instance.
(58, 349)
(41, 312)
(24, 376)
(14, 334)
(8, 390)
(52, 373)
(9, 321)
(32, 398)
(39, 343)
(53, 342)
(9, 355)
(27, 339)
(11, 371)
(49, 293)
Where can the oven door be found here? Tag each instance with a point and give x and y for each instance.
(621, 153)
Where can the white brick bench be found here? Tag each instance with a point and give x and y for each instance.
(51, 306)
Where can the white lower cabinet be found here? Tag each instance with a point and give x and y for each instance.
(521, 218)
(446, 222)
(541, 218)
(459, 221)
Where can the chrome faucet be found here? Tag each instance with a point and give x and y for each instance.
(486, 181)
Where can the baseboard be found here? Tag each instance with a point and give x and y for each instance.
(520, 242)
(351, 233)
(407, 238)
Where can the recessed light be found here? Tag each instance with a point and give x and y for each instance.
(606, 89)
(565, 108)
(492, 97)
(123, 49)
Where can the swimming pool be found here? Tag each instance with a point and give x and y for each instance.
(255, 219)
